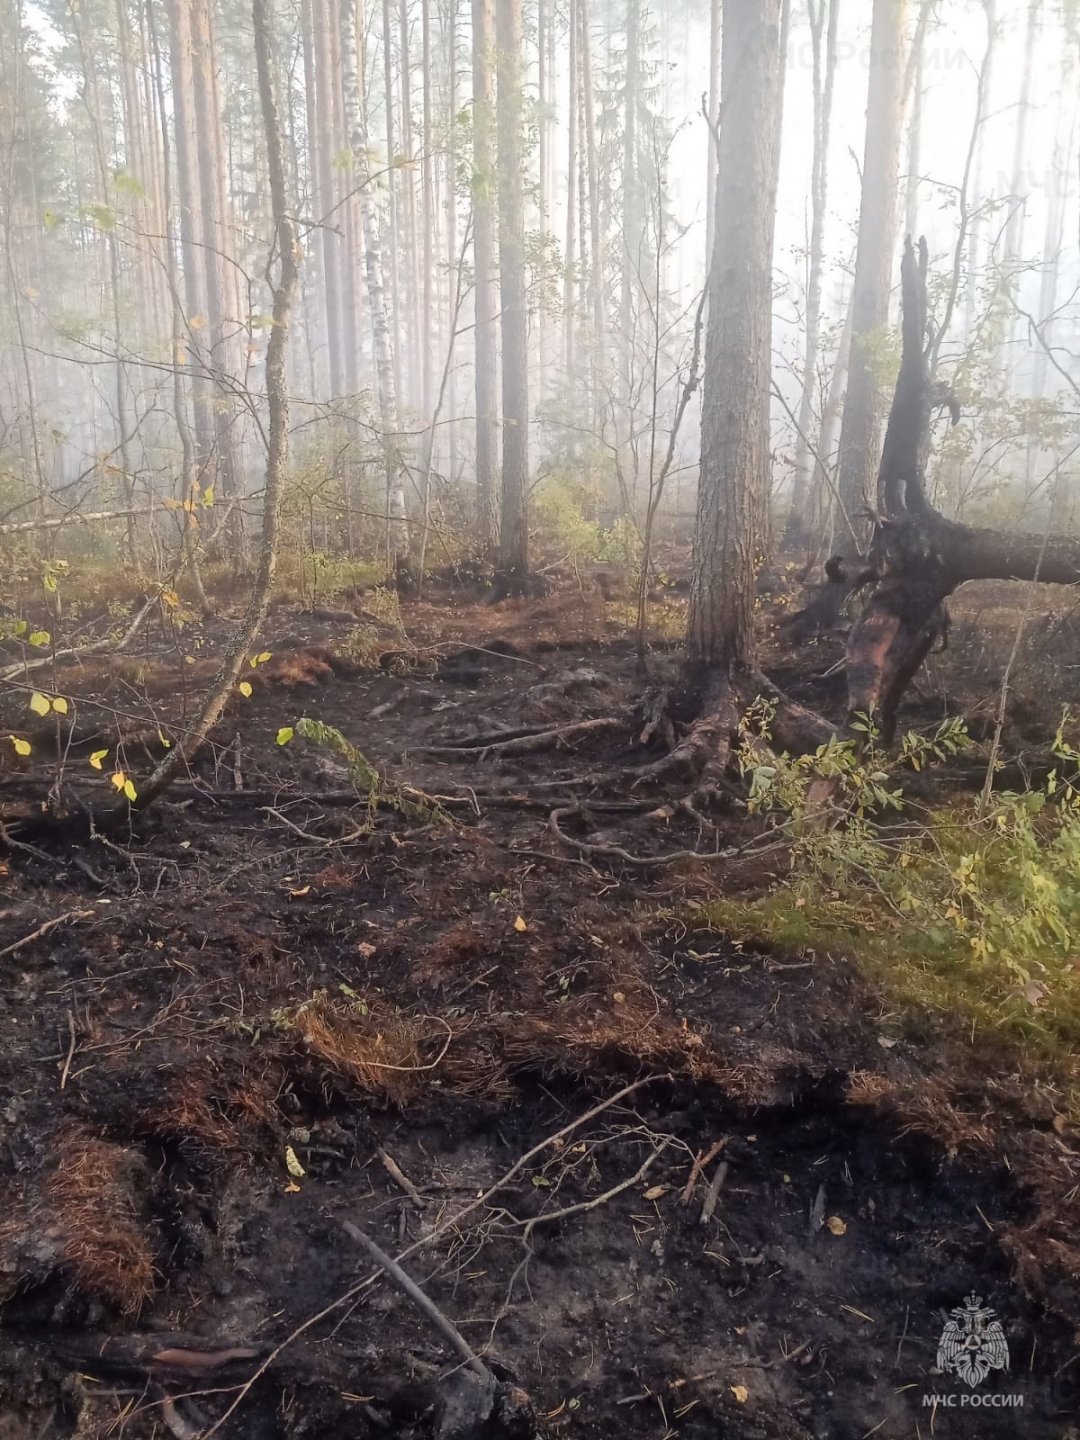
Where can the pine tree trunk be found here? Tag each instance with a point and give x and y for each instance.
(596, 234)
(215, 239)
(632, 205)
(416, 324)
(860, 428)
(715, 31)
(325, 204)
(569, 271)
(735, 446)
(514, 547)
(485, 301)
(355, 114)
(393, 189)
(824, 21)
(430, 335)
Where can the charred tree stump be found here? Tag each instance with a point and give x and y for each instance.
(917, 557)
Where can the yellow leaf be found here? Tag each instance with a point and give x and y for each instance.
(119, 779)
(197, 322)
(304, 890)
(245, 689)
(40, 637)
(39, 704)
(97, 757)
(22, 747)
(292, 1188)
(835, 1225)
(519, 925)
(60, 705)
(262, 657)
(741, 1393)
(170, 598)
(166, 743)
(208, 496)
(292, 1164)
(655, 1191)
(285, 734)
(130, 791)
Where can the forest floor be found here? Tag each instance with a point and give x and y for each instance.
(265, 1015)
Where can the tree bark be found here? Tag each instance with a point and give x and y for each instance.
(514, 546)
(325, 205)
(485, 301)
(860, 426)
(734, 447)
(382, 345)
(823, 98)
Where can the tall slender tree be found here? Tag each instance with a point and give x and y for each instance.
(734, 441)
(514, 527)
(485, 303)
(864, 405)
(824, 27)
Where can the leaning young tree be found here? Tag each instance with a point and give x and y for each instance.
(284, 290)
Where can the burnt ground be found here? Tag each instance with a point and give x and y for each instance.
(259, 979)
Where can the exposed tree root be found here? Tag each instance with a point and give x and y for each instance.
(595, 850)
(528, 742)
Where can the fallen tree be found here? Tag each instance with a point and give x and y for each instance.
(917, 557)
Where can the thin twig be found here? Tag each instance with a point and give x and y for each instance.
(398, 1175)
(45, 929)
(713, 1193)
(698, 1166)
(71, 1050)
(423, 1302)
(598, 1200)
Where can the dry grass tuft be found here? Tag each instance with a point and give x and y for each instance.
(93, 1195)
(296, 667)
(197, 1110)
(388, 1054)
(584, 1041)
(924, 1109)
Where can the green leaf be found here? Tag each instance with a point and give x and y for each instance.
(97, 757)
(103, 216)
(40, 637)
(285, 734)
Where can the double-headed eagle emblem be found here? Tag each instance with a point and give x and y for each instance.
(972, 1343)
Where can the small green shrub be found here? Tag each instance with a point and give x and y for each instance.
(968, 910)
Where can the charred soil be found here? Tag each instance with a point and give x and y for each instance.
(662, 1184)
